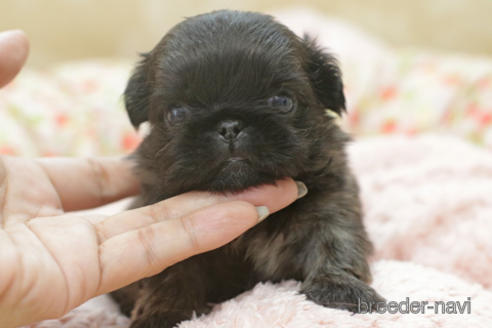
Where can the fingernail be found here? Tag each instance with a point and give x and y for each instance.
(301, 189)
(263, 212)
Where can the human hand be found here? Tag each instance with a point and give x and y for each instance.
(51, 261)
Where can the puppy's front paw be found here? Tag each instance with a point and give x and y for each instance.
(353, 295)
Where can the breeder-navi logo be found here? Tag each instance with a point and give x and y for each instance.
(416, 307)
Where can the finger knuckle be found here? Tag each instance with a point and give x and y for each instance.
(146, 237)
(100, 176)
(189, 227)
(160, 211)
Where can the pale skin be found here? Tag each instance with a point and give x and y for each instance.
(52, 260)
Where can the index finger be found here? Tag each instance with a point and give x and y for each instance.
(274, 197)
(144, 252)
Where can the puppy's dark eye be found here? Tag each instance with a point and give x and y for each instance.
(177, 115)
(283, 104)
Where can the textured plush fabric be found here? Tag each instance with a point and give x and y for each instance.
(428, 211)
(428, 200)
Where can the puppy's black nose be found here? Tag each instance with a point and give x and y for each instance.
(229, 129)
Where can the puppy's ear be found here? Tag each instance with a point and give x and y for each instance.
(137, 92)
(325, 76)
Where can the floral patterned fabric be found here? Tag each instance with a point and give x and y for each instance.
(77, 108)
(403, 91)
(429, 93)
(74, 109)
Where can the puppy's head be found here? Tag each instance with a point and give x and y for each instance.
(234, 99)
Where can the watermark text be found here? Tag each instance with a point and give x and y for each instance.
(416, 307)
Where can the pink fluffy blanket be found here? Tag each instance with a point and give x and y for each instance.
(428, 210)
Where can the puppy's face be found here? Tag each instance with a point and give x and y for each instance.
(234, 100)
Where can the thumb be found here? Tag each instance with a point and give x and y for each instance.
(14, 48)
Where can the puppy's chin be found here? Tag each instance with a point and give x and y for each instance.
(238, 174)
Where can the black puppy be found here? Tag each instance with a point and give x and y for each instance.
(236, 100)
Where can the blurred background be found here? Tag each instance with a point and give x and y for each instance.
(62, 30)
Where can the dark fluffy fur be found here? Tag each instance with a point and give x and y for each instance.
(224, 66)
